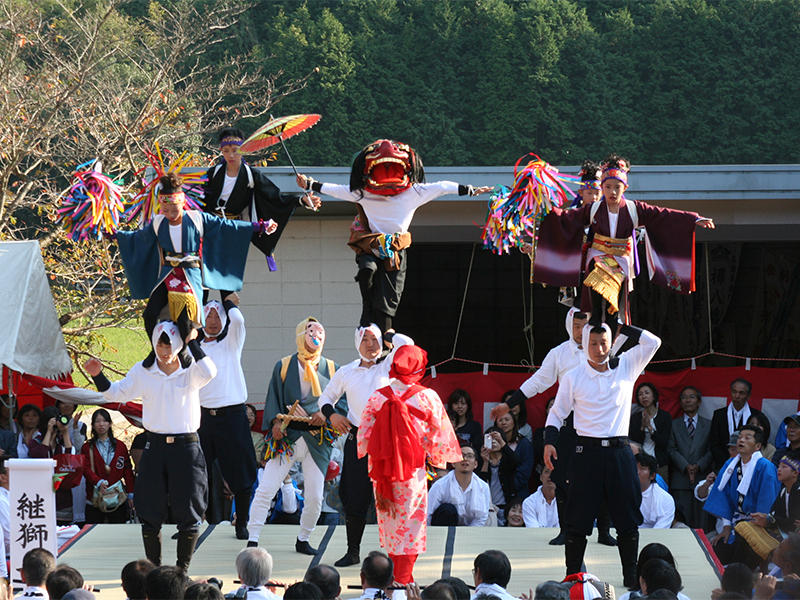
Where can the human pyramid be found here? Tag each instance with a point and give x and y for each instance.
(193, 390)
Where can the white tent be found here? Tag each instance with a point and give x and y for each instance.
(30, 334)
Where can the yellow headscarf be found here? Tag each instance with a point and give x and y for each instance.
(309, 360)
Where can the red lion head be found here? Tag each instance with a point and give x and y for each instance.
(386, 167)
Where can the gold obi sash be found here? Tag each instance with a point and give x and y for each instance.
(606, 277)
(612, 246)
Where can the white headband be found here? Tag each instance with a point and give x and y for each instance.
(360, 336)
(585, 340)
(175, 340)
(217, 306)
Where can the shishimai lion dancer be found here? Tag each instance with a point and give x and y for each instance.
(387, 182)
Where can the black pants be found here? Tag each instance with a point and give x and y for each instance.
(598, 473)
(95, 515)
(174, 475)
(355, 486)
(445, 515)
(226, 436)
(385, 288)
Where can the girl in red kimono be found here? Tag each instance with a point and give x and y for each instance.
(607, 258)
(401, 424)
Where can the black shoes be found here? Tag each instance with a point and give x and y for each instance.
(348, 560)
(606, 539)
(304, 548)
(252, 545)
(242, 533)
(559, 540)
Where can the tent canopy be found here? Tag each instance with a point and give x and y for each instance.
(32, 341)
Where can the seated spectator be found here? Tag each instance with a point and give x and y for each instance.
(459, 587)
(540, 509)
(520, 412)
(37, 564)
(460, 497)
(551, 590)
(658, 574)
(660, 481)
(63, 579)
(657, 507)
(791, 425)
(652, 427)
(760, 419)
(690, 455)
(28, 417)
(649, 552)
(781, 440)
(538, 441)
(438, 591)
(326, 578)
(259, 442)
(515, 516)
(507, 424)
(498, 469)
(786, 510)
(302, 590)
(133, 576)
(748, 475)
(459, 409)
(254, 567)
(491, 573)
(79, 594)
(166, 582)
(203, 591)
(737, 579)
(377, 574)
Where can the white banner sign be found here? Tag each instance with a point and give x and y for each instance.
(32, 508)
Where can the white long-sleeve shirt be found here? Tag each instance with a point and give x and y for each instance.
(536, 512)
(657, 507)
(5, 518)
(360, 383)
(228, 387)
(170, 403)
(392, 214)
(602, 400)
(472, 504)
(560, 360)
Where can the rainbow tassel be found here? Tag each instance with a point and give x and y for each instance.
(514, 214)
(92, 206)
(275, 448)
(144, 205)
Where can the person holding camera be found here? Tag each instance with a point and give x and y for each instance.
(51, 440)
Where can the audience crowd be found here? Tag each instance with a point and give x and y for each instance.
(721, 475)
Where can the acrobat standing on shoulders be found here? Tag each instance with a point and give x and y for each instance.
(234, 190)
(171, 258)
(608, 261)
(386, 181)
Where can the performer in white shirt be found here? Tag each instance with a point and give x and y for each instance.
(357, 381)
(387, 182)
(173, 469)
(539, 509)
(224, 429)
(657, 507)
(460, 497)
(599, 392)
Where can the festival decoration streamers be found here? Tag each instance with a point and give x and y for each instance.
(514, 214)
(92, 206)
(144, 205)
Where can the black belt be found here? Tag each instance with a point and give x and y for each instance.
(614, 442)
(223, 410)
(172, 438)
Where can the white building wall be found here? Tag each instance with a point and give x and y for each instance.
(315, 275)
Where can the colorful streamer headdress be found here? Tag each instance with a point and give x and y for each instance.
(93, 204)
(144, 205)
(515, 214)
(616, 167)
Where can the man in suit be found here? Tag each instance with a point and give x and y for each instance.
(300, 377)
(727, 421)
(689, 455)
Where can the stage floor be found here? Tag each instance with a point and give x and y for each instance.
(100, 552)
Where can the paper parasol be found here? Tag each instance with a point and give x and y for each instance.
(277, 131)
(145, 204)
(92, 206)
(516, 213)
